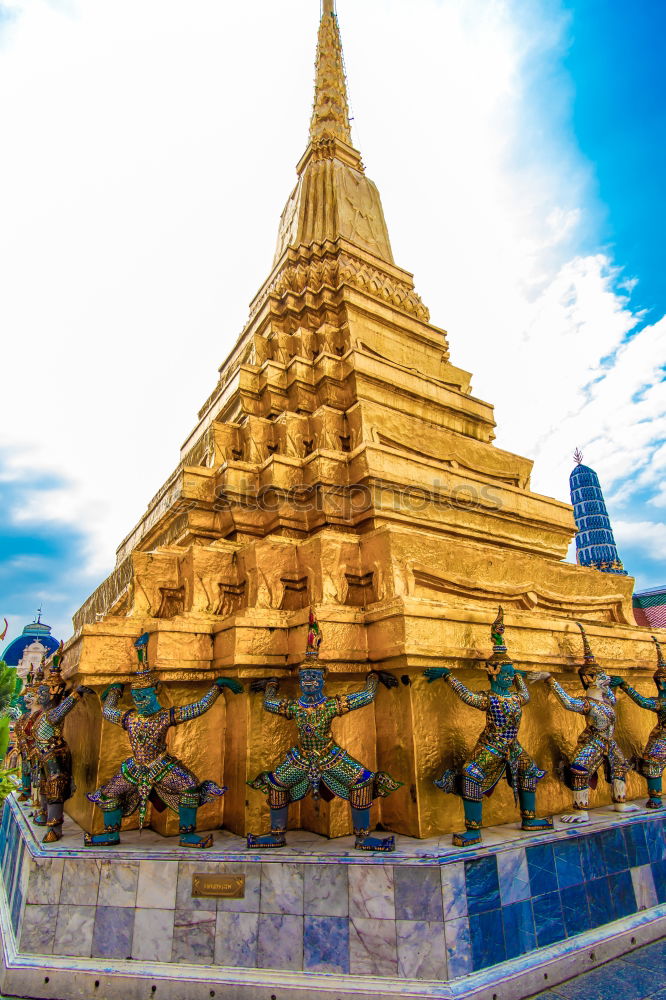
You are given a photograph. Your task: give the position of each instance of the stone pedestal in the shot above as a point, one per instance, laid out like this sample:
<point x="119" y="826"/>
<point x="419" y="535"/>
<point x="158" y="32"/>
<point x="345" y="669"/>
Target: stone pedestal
<point x="521" y="912"/>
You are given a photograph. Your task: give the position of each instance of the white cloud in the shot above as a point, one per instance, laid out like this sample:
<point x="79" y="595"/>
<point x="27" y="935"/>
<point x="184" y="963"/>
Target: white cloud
<point x="648" y="537"/>
<point x="148" y="154"/>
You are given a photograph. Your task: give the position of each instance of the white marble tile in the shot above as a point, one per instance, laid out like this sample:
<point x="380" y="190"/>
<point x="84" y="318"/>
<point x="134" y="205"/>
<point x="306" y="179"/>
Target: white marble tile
<point x="326" y="890"/>
<point x="421" y="949"/>
<point x="454" y="890"/>
<point x="74" y="931"/>
<point x="153" y="935"/>
<point x="44" y="881"/>
<point x="38" y="929"/>
<point x="514" y="878"/>
<point x="193" y="937"/>
<point x="280" y="942"/>
<point x="118" y="882"/>
<point x="80" y="882"/>
<point x="282" y="888"/>
<point x="644" y="888"/>
<point x="236" y="940"/>
<point x="372" y="947"/>
<point x="158" y="881"/>
<point x="371" y="892"/>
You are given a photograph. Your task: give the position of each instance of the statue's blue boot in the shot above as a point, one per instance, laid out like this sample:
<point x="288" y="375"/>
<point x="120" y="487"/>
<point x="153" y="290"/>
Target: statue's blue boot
<point x="654" y="791"/>
<point x="473" y="816"/>
<point x="276" y="838"/>
<point x="187" y="816"/>
<point x="528" y="813"/>
<point x="364" y="842"/>
<point x="111" y="834"/>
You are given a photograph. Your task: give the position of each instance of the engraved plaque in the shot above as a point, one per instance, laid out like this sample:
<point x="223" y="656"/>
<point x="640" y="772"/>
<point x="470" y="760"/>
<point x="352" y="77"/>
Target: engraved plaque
<point x="218" y="886"/>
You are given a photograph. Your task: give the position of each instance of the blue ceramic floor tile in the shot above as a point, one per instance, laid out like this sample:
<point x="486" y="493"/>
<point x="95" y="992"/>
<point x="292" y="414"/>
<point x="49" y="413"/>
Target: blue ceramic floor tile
<point x="652" y="956"/>
<point x="575" y="910"/>
<point x="519" y="933"/>
<point x="548" y="918"/>
<point x="482" y="885"/>
<point x="487" y="934"/>
<point x="594" y="864"/>
<point x="326" y="944"/>
<point x="656" y="841"/>
<point x="615" y="981"/>
<point x="615" y="850"/>
<point x="541" y="865"/>
<point x="636" y="844"/>
<point x="418" y="894"/>
<point x="659" y="876"/>
<point x="568" y="863"/>
<point x="622" y="895"/>
<point x="599" y="902"/>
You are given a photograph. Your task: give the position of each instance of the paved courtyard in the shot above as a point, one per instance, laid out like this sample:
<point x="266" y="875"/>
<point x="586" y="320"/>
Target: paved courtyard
<point x="639" y="976"/>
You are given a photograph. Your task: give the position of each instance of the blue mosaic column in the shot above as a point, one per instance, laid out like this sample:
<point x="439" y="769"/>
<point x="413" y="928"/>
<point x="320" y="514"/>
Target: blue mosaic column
<point x="595" y="543"/>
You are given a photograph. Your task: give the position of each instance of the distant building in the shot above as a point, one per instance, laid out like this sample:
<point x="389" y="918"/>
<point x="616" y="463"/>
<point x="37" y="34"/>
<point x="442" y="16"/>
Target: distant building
<point x="595" y="542"/>
<point x="650" y="608"/>
<point x="27" y="650"/>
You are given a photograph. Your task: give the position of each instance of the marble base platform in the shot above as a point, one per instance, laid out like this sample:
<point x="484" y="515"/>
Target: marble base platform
<point x="318" y="919"/>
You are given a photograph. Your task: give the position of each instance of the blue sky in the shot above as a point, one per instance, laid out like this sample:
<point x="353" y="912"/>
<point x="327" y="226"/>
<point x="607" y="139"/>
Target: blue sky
<point x="519" y="151"/>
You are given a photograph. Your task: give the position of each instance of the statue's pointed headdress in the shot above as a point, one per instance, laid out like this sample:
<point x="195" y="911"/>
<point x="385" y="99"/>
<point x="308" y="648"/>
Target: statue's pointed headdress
<point x="660" y="672"/>
<point x="500" y="655"/>
<point x="55" y="681"/>
<point x="312" y="644"/>
<point x="144" y="676"/>
<point x="590" y="665"/>
<point x="35" y="678"/>
<point x="314" y="637"/>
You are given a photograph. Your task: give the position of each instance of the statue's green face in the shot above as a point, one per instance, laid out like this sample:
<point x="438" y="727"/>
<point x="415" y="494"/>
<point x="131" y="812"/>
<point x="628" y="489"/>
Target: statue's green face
<point x="504" y="680"/>
<point x="43" y="695"/>
<point x="312" y="682"/>
<point x="661" y="685"/>
<point x="146" y="701"/>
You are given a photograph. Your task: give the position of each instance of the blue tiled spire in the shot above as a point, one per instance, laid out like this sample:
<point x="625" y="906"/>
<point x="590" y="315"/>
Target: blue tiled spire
<point x="595" y="543"/>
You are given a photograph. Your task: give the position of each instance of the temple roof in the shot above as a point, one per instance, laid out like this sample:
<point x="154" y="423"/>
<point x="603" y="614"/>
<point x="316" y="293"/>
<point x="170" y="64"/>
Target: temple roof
<point x="36" y="630"/>
<point x="595" y="542"/>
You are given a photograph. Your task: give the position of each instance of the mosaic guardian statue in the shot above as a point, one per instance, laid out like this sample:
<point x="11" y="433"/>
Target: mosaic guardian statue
<point x="653" y="759"/>
<point x="152" y="774"/>
<point x="21" y="712"/>
<point x="51" y="760"/>
<point x="497" y="753"/>
<point x="316" y="763"/>
<point x="596" y="744"/>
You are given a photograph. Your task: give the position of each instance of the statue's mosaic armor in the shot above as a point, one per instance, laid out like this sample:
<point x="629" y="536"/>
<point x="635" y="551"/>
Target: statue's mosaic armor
<point x="52" y="752"/>
<point x="497" y="751"/>
<point x="317" y="760"/>
<point x="152" y="771"/>
<point x="596" y="744"/>
<point x="653" y="760"/>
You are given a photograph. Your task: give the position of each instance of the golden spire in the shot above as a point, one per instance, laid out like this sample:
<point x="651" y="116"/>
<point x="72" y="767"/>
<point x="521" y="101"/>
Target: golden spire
<point x="330" y="115"/>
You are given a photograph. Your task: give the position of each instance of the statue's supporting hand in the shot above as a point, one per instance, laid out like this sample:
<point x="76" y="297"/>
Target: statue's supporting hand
<point x="532" y="676"/>
<point x="434" y="673"/>
<point x="112" y="687"/>
<point x="261" y="683"/>
<point x="388" y="680"/>
<point x="82" y="690"/>
<point x="229" y="682"/>
<point x="616" y="681"/>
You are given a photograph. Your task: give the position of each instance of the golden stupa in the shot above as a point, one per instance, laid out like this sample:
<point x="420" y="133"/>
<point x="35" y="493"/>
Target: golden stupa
<point x="342" y="462"/>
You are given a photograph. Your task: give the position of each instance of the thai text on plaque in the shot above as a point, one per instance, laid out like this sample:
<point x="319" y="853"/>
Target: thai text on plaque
<point x="218" y="886"/>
